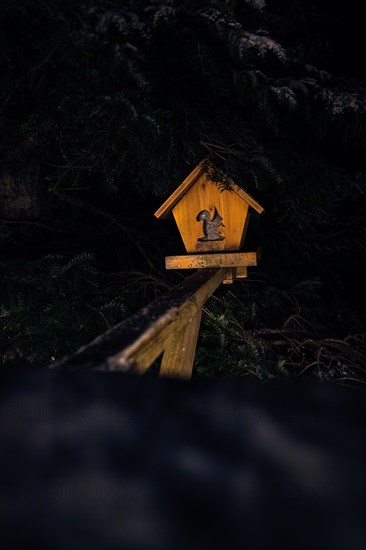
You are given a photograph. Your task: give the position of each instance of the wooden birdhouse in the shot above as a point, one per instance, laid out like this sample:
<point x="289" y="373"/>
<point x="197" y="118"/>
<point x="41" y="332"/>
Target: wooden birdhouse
<point x="212" y="222"/>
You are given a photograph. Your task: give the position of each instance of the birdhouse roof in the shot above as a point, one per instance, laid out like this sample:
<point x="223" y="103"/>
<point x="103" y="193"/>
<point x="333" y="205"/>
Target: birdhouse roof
<point x="166" y="208"/>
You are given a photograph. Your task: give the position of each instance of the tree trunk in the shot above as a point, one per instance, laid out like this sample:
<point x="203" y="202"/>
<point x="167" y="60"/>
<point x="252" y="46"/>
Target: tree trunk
<point x="20" y="197"/>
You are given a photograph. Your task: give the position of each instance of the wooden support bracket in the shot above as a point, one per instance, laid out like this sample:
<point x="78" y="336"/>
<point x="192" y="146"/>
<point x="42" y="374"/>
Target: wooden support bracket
<point x="235" y="273"/>
<point x="231" y="276"/>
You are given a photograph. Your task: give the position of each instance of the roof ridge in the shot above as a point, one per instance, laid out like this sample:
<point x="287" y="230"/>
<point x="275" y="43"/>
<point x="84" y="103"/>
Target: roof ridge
<point x="174" y="198"/>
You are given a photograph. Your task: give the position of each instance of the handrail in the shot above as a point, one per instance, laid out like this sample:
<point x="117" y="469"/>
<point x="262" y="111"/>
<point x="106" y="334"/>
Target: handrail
<point x="168" y="325"/>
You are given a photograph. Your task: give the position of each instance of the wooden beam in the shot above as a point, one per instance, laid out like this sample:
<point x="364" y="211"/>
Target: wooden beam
<point x="205" y="261"/>
<point x="168" y="324"/>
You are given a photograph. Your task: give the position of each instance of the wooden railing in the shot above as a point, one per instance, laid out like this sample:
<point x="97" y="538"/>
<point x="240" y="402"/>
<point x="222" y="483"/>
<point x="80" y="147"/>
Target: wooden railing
<point x="167" y="326"/>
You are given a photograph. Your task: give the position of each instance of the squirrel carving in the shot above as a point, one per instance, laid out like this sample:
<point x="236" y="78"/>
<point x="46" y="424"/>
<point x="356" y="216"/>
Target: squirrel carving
<point x="210" y="227"/>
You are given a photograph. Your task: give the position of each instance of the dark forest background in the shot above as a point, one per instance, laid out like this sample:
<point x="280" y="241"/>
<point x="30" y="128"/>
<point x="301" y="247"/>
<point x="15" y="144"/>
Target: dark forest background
<point x="106" y="106"/>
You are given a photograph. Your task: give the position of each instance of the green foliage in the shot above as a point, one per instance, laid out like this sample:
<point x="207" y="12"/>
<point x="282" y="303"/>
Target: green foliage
<point x="267" y="332"/>
<point x="51" y="306"/>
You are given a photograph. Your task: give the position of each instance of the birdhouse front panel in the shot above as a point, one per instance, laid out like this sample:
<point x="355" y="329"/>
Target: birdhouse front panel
<point x="210" y="220"/>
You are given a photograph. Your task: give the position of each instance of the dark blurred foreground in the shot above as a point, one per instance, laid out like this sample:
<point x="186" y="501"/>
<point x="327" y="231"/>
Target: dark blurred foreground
<point x="113" y="461"/>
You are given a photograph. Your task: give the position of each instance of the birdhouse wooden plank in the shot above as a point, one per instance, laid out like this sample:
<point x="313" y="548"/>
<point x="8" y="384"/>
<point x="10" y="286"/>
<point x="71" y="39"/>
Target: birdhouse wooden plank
<point x="222" y="215"/>
<point x="206" y="261"/>
<point x="209" y="219"/>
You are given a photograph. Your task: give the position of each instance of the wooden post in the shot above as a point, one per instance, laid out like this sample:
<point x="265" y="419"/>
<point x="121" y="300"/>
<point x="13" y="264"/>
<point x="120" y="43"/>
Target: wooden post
<point x="180" y="350"/>
<point x="170" y="324"/>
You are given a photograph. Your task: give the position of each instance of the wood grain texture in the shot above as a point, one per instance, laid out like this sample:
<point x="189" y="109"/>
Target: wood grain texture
<point x="169" y="323"/>
<point x="165" y="209"/>
<point x="205" y="195"/>
<point x="208" y="261"/>
<point x="245" y="229"/>
<point x="242" y="273"/>
<point x="230" y="277"/>
<point x="180" y="348"/>
<point x="246" y="197"/>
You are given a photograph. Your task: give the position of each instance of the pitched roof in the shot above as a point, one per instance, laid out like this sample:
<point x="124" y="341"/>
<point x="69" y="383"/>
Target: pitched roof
<point x="167" y="207"/>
